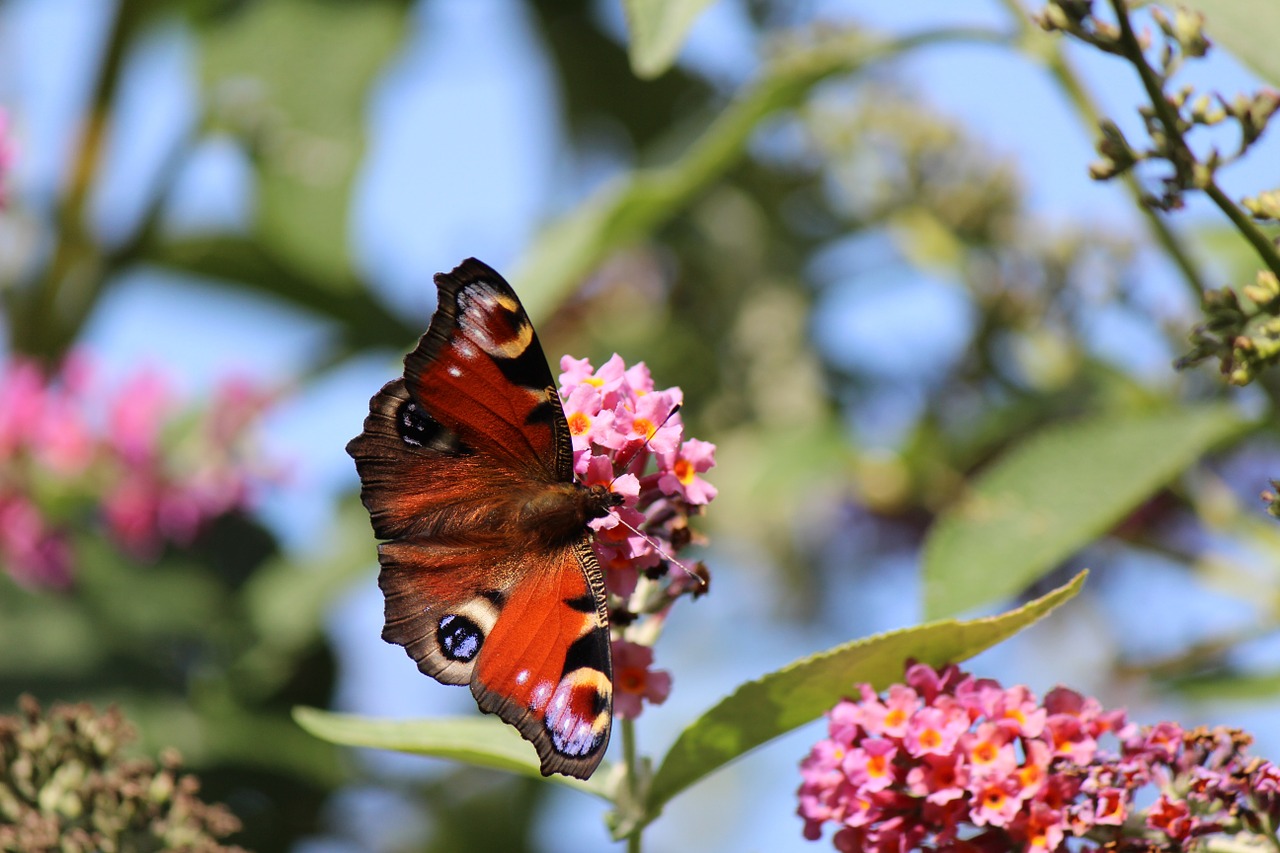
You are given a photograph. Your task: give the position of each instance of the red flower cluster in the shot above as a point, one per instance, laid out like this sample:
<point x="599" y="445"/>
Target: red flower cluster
<point x="949" y="762"/>
<point x="628" y="436"/>
<point x="70" y="453"/>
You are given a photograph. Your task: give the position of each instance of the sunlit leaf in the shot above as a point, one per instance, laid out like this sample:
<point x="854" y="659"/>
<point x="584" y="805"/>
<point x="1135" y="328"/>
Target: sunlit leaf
<point x="770" y="706"/>
<point x="1055" y="493"/>
<point x="291" y="77"/>
<point x="658" y="29"/>
<point x="638" y="203"/>
<point x="480" y="741"/>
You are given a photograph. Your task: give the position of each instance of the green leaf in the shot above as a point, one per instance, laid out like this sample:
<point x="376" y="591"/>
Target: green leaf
<point x="1246" y="28"/>
<point x="1222" y="687"/>
<point x="291" y="76"/>
<point x="481" y="741"/>
<point x="1055" y="493"/>
<point x="761" y="710"/>
<point x="634" y="206"/>
<point x="658" y="29"/>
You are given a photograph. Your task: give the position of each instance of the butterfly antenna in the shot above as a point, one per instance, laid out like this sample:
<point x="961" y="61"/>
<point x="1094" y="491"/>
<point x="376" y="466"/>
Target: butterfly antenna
<point x="662" y="551"/>
<point x="648" y="438"/>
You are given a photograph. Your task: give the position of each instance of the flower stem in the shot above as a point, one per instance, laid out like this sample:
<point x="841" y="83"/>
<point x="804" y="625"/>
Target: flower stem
<point x="1069" y="82"/>
<point x="1180" y="154"/>
<point x="633" y="776"/>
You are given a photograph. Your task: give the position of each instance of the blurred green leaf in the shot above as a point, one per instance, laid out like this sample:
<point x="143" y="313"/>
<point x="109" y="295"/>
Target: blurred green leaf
<point x="773" y="705"/>
<point x="658" y="29"/>
<point x="481" y="741"/>
<point x="1246" y="28"/>
<point x="636" y="204"/>
<point x="340" y="298"/>
<point x="1228" y="686"/>
<point x="292" y="77"/>
<point x="287" y="600"/>
<point x="1055" y="493"/>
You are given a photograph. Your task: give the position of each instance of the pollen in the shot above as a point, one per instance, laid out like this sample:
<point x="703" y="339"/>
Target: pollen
<point x="579" y="423"/>
<point x="684" y="471"/>
<point x="643" y="426"/>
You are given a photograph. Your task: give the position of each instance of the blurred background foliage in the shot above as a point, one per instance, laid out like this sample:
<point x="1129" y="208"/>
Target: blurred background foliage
<point x="866" y="295"/>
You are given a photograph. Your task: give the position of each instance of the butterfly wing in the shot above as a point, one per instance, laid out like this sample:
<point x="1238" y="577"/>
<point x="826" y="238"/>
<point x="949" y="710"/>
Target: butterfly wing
<point x="459" y="461"/>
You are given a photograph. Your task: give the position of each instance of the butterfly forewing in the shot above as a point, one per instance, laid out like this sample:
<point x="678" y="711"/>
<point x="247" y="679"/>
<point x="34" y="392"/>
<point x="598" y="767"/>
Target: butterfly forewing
<point x="466" y="468"/>
<point x="480" y="371"/>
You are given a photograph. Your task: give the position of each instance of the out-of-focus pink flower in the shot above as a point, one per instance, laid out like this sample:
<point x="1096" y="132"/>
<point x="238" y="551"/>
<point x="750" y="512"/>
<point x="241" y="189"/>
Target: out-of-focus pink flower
<point x="104" y="452"/>
<point x="136" y="415"/>
<point x="34" y="555"/>
<point x="634" y="682"/>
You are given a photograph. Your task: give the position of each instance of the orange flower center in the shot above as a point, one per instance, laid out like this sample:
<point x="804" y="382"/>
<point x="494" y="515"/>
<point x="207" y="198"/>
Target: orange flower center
<point x="579" y="423"/>
<point x="631" y="680"/>
<point x="985" y="752"/>
<point x="643" y="426"/>
<point x="993" y="798"/>
<point x="930" y="739"/>
<point x="894" y="718"/>
<point x="684" y="471"/>
<point x="877" y="766"/>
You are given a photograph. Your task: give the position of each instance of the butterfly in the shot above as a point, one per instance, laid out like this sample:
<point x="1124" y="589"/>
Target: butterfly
<point x="466" y="468"/>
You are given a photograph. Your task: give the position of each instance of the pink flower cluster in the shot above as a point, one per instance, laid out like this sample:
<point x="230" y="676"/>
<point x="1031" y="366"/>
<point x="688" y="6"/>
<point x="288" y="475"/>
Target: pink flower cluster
<point x="949" y="762"/>
<point x="70" y="454"/>
<point x="629" y="436"/>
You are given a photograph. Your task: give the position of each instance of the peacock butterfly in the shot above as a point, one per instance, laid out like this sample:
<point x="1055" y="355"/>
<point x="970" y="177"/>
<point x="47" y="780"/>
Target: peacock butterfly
<point x="466" y="468"/>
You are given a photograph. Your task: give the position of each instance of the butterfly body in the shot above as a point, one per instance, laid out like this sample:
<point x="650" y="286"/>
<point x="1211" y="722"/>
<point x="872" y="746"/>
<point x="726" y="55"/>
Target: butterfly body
<point x="487" y="567"/>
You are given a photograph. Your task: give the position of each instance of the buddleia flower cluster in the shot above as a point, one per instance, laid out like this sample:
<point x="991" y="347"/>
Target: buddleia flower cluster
<point x="948" y="762"/>
<point x="65" y="787"/>
<point x="77" y="454"/>
<point x="628" y="435"/>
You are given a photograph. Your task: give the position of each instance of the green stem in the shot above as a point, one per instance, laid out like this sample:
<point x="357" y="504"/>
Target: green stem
<point x="1180" y="154"/>
<point x="629" y="760"/>
<point x="1069" y="82"/>
<point x="1245" y="225"/>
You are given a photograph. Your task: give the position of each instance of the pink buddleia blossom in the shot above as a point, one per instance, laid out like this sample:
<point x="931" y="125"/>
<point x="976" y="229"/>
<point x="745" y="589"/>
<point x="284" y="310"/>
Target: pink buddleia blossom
<point x="1019" y="775"/>
<point x="123" y="456"/>
<point x="634" y="679"/>
<point x="627" y="435"/>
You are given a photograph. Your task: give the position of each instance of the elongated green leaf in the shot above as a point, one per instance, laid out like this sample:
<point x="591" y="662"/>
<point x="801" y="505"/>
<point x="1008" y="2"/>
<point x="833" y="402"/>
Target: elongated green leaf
<point x="292" y="76"/>
<point x="635" y="205"/>
<point x="482" y="741"/>
<point x="658" y="29"/>
<point x="1055" y="493"/>
<point x="1246" y="28"/>
<point x="761" y="710"/>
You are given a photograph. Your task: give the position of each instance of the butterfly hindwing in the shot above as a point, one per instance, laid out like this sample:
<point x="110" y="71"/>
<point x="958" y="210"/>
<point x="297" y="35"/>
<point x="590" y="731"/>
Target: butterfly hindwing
<point x="488" y="571"/>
